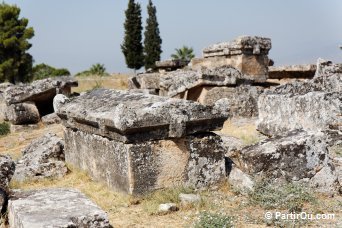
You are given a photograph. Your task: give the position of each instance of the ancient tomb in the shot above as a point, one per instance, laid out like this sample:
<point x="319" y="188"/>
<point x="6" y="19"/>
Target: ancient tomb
<point x="286" y="74"/>
<point x="248" y="54"/>
<point x="27" y="103"/>
<point x="139" y="142"/>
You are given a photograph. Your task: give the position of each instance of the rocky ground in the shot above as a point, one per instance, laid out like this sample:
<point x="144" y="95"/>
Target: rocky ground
<point x="241" y="208"/>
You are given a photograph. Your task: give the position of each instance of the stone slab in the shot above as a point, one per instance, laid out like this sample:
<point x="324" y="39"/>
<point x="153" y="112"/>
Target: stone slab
<point x="293" y="71"/>
<point x="179" y="81"/>
<point x="54" y="208"/>
<point x="38" y="90"/>
<point x="195" y="160"/>
<point x="128" y="117"/>
<point x="253" y="45"/>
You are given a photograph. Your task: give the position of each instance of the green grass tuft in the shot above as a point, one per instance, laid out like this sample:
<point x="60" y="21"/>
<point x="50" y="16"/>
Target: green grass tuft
<point x="287" y="196"/>
<point x="4" y="128"/>
<point x="212" y="220"/>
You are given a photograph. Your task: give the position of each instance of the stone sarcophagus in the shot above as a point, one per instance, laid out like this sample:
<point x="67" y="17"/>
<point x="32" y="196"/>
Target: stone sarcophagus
<point x="138" y="142"/>
<point x="249" y="54"/>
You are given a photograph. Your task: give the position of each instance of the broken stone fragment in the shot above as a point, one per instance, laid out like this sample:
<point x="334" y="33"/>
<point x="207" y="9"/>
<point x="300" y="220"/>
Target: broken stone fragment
<point x="54" y="208"/>
<point x="7" y="167"/>
<point x="310" y="105"/>
<point x="51" y="119"/>
<point x="299" y="157"/>
<point x="43" y="158"/>
<point x="59" y="100"/>
<point x="22" y="113"/>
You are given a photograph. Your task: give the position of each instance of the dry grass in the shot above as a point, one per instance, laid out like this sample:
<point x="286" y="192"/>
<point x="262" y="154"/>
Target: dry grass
<point x="14" y="143"/>
<point x="243" y="129"/>
<point x="116" y="81"/>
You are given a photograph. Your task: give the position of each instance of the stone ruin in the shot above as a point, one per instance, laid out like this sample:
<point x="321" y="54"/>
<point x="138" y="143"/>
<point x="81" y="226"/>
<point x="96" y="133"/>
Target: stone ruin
<point x="248" y="54"/>
<point x="303" y="120"/>
<point x="138" y="142"/>
<point x="27" y="103"/>
<point x="236" y="70"/>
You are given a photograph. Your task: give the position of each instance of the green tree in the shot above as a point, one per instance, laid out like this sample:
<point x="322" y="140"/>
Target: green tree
<point x="184" y="54"/>
<point x="132" y="47"/>
<point x="43" y="70"/>
<point x="153" y="41"/>
<point x="95" y="69"/>
<point x="15" y="62"/>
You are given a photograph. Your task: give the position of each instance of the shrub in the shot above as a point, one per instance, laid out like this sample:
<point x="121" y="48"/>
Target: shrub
<point x="4" y="128"/>
<point x="211" y="220"/>
<point x="280" y="196"/>
<point x="43" y="70"/>
<point x="95" y="69"/>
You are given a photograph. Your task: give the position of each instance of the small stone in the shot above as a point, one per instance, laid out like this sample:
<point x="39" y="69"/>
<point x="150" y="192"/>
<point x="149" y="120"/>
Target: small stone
<point x="189" y="198"/>
<point x="167" y="207"/>
<point x="51" y="119"/>
<point x="58" y="101"/>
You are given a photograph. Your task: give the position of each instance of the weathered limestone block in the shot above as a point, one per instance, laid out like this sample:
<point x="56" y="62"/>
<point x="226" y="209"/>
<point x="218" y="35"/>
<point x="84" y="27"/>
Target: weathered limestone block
<point x="248" y="54"/>
<point x="43" y="158"/>
<point x="180" y="81"/>
<point x="298" y="157"/>
<point x="137" y="168"/>
<point x="130" y="117"/>
<point x="242" y="45"/>
<point x="51" y="119"/>
<point x="38" y="90"/>
<point x="310" y="105"/>
<point x="138" y="142"/>
<point x="22" y="113"/>
<point x="243" y="99"/>
<point x="144" y="81"/>
<point x="306" y="71"/>
<point x="39" y="93"/>
<point x="171" y="64"/>
<point x="54" y="208"/>
<point x="3" y="105"/>
<point x="7" y="167"/>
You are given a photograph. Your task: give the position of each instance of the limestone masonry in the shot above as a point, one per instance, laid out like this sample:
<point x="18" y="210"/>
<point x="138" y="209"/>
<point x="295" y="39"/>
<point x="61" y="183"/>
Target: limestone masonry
<point x="138" y="142"/>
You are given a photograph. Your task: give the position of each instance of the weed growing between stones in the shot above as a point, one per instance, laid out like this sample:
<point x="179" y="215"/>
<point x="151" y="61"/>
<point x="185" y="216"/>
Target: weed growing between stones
<point x="289" y="196"/>
<point x="4" y="128"/>
<point x="207" y="219"/>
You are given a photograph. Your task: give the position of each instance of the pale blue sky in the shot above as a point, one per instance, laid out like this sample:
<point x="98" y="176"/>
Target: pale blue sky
<point x="78" y="33"/>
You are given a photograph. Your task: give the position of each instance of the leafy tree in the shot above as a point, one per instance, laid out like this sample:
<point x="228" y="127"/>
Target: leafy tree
<point x="95" y="69"/>
<point x="152" y="42"/>
<point x="15" y="62"/>
<point x="43" y="70"/>
<point x="184" y="54"/>
<point x="132" y="47"/>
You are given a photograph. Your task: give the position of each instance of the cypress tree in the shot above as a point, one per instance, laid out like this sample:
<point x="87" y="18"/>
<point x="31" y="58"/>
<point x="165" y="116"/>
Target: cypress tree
<point x="15" y="62"/>
<point x="132" y="47"/>
<point x="152" y="42"/>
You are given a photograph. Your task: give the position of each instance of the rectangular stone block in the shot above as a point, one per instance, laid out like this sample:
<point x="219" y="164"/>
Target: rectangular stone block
<point x="139" y="142"/>
<point x="54" y="208"/>
<point x="195" y="160"/>
<point x="133" y="117"/>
